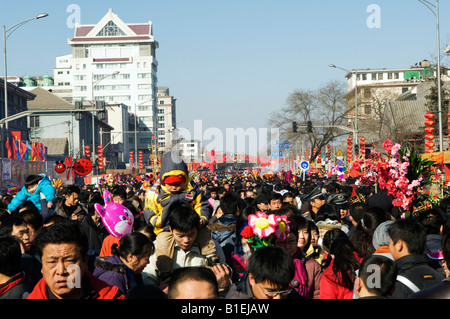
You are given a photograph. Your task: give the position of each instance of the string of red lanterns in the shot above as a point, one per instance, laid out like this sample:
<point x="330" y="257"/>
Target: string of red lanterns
<point x="429" y="130"/>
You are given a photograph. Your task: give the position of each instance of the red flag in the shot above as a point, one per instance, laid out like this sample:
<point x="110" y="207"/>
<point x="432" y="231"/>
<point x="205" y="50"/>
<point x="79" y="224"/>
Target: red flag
<point x="22" y="148"/>
<point x="8" y="147"/>
<point x="14" y="155"/>
<point x="17" y="135"/>
<point x="37" y="152"/>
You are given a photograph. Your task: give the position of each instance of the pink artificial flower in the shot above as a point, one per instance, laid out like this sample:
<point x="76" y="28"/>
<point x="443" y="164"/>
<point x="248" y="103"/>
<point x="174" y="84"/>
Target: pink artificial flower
<point x="261" y="224"/>
<point x="282" y="228"/>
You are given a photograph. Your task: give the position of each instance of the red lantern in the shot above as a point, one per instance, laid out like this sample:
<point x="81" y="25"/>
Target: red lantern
<point x="429" y="115"/>
<point x="100" y="157"/>
<point x="430" y="144"/>
<point x="429" y="122"/>
<point x="429" y="129"/>
<point x="429" y="150"/>
<point x="141" y="164"/>
<point x="87" y="151"/>
<point x="429" y="137"/>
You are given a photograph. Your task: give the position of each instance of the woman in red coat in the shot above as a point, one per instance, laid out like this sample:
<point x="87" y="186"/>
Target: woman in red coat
<point x="338" y="277"/>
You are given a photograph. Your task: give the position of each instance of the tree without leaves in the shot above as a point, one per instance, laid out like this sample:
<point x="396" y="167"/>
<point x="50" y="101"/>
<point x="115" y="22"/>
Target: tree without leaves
<point x="325" y="107"/>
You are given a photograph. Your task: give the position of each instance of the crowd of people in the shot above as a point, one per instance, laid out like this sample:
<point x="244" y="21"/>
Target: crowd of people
<point x="234" y="235"/>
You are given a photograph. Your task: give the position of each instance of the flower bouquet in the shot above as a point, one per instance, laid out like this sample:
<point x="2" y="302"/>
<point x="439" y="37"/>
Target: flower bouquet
<point x="261" y="229"/>
<point x="403" y="173"/>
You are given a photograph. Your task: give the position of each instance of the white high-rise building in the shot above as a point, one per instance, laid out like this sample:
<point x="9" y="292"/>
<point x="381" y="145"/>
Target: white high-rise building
<point x="115" y="62"/>
<point x="166" y="119"/>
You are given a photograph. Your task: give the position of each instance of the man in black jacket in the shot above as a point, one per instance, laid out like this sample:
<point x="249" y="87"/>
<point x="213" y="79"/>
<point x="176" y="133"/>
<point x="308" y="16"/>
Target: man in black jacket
<point x="407" y="239"/>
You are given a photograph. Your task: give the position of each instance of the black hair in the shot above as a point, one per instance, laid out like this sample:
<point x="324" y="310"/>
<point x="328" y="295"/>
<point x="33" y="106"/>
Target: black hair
<point x="432" y="220"/>
<point x="345" y="262"/>
<point x="275" y="196"/>
<point x="33" y="218"/>
<point x="329" y="211"/>
<point x="180" y="275"/>
<point x="10" y="255"/>
<point x="272" y="264"/>
<point x="54" y="219"/>
<point x="229" y="203"/>
<point x="362" y="234"/>
<point x="356" y="210"/>
<point x="96" y="198"/>
<point x="411" y="232"/>
<point x="135" y="243"/>
<point x="386" y="270"/>
<point x="32" y="180"/>
<point x="66" y="231"/>
<point x="69" y="190"/>
<point x="8" y="224"/>
<point x="121" y="192"/>
<point x="183" y="218"/>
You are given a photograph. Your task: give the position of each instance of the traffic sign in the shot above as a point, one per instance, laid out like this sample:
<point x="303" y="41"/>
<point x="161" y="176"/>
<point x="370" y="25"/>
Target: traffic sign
<point x="304" y="165"/>
<point x="277" y="153"/>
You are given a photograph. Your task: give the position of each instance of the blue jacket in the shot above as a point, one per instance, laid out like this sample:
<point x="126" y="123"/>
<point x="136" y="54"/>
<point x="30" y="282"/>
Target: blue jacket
<point x="44" y="186"/>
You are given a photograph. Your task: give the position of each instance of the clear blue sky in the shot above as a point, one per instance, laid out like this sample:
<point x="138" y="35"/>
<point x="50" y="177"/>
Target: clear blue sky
<point x="231" y="63"/>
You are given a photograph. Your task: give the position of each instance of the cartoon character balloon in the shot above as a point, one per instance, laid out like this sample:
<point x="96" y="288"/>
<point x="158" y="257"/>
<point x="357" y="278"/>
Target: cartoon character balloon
<point x="117" y="219"/>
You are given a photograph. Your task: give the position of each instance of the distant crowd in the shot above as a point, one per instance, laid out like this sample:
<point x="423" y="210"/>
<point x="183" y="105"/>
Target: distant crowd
<point x="233" y="235"/>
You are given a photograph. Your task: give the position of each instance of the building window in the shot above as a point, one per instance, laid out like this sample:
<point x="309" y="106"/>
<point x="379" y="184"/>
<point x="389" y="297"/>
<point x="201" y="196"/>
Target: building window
<point x="144" y="86"/>
<point x="161" y="102"/>
<point x="396" y="76"/>
<point x="161" y="125"/>
<point x="160" y="111"/>
<point x="380" y="76"/>
<point x="389" y="76"/>
<point x="79" y="77"/>
<point x="34" y="121"/>
<point x="160" y="118"/>
<point x="82" y="88"/>
<point x="364" y="76"/>
<point x="367" y="109"/>
<point x="111" y="30"/>
<point x="374" y="76"/>
<point x="144" y="76"/>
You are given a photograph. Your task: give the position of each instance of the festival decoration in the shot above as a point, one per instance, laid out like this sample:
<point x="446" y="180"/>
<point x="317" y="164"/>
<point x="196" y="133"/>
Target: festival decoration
<point x="117" y="219"/>
<point x="82" y="166"/>
<point x="349" y="149"/>
<point x="402" y="172"/>
<point x="87" y="151"/>
<point x="362" y="147"/>
<point x="141" y="163"/>
<point x="100" y="158"/>
<point x="60" y="167"/>
<point x="57" y="183"/>
<point x="429" y="129"/>
<point x="261" y="229"/>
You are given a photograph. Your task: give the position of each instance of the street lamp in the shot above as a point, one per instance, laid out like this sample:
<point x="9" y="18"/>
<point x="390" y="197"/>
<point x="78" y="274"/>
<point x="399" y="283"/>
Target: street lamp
<point x="430" y="6"/>
<point x="355" y="134"/>
<point x="6" y="34"/>
<point x="93" y="113"/>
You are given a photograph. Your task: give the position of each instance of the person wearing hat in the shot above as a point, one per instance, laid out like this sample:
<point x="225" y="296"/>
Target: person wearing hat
<point x="173" y="187"/>
<point x="442" y="289"/>
<point x="315" y="200"/>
